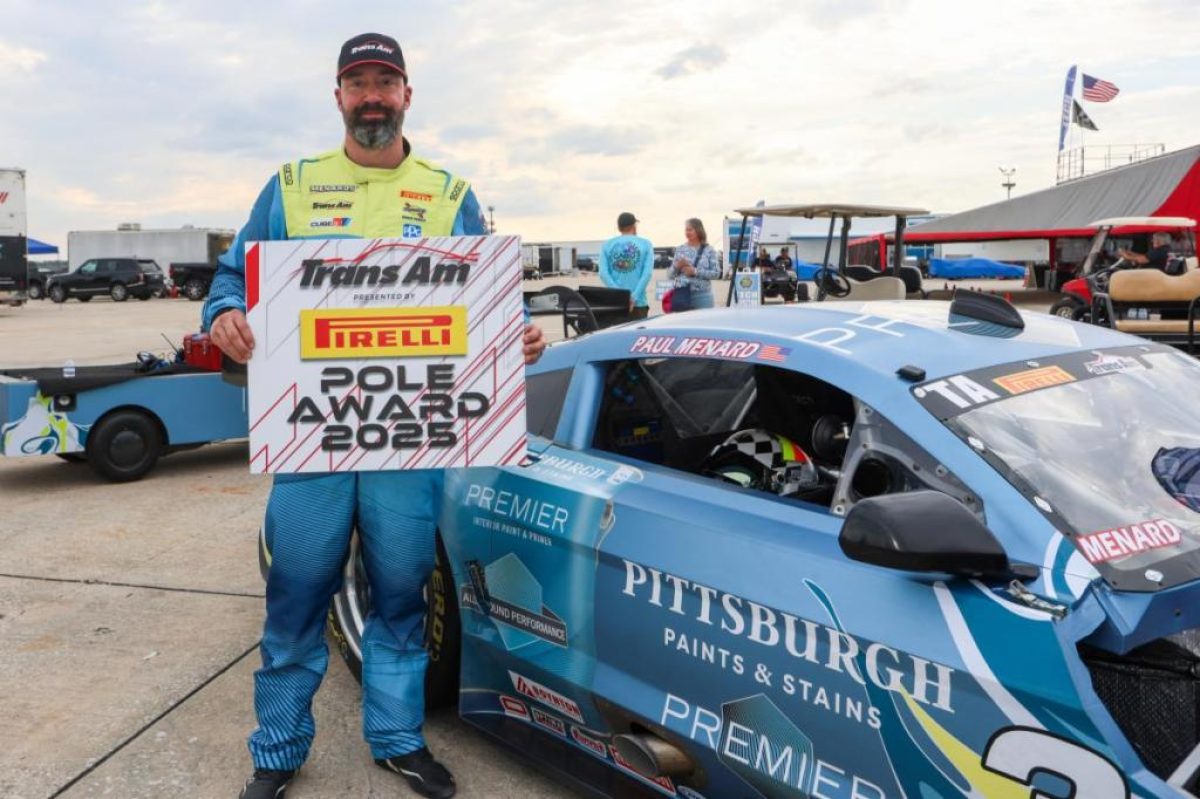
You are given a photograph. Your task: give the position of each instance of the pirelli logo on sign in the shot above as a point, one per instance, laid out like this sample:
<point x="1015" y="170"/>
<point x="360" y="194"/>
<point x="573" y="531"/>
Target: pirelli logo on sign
<point x="383" y="332"/>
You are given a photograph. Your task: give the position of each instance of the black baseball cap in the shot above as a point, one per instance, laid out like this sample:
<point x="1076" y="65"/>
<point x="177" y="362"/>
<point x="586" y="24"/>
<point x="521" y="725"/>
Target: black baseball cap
<point x="371" y="48"/>
<point x="626" y="219"/>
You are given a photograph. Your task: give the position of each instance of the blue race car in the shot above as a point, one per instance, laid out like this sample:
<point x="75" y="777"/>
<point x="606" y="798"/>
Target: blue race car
<point x="845" y="551"/>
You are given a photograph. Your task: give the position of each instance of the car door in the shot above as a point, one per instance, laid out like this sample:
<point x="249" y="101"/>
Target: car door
<point x="729" y="623"/>
<point x="83" y="281"/>
<point x="523" y="544"/>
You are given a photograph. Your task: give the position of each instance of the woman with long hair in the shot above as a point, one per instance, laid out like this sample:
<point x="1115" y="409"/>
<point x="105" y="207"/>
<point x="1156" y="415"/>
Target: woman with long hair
<point x="693" y="267"/>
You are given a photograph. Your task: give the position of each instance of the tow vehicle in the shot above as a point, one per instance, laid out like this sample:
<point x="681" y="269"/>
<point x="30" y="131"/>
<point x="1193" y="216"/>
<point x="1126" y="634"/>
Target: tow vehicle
<point x="856" y="549"/>
<point x="121" y="418"/>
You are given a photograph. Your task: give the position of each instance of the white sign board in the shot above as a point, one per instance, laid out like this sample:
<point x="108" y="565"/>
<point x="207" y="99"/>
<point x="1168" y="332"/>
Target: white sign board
<point x="375" y="354"/>
<point x="747" y="289"/>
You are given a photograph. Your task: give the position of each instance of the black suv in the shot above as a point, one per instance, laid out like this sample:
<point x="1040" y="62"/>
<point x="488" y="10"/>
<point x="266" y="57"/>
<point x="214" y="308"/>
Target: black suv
<point x="120" y="278"/>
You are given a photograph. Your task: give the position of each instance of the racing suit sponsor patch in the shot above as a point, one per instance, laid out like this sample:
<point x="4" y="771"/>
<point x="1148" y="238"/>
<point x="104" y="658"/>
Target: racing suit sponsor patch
<point x="410" y="231"/>
<point x="330" y="221"/>
<point x="416" y="195"/>
<point x="288" y="179"/>
<point x="340" y="205"/>
<point x="1122" y="542"/>
<point x="330" y="188"/>
<point x="459" y="185"/>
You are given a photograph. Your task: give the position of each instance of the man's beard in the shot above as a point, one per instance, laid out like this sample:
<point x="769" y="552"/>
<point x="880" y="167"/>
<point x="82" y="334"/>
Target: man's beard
<point x="375" y="134"/>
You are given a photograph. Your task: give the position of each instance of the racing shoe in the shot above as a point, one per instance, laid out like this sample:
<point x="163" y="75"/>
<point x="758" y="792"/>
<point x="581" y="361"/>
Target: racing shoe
<point x="267" y="784"/>
<point x="425" y="775"/>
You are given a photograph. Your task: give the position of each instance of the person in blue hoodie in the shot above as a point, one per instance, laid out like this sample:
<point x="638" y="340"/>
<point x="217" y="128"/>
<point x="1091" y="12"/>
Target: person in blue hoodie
<point x="627" y="262"/>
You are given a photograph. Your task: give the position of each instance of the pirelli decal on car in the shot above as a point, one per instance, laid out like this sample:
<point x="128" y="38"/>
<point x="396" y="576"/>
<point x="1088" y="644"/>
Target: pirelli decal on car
<point x="947" y="397"/>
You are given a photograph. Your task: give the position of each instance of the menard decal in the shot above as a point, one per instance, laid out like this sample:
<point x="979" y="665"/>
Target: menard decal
<point x="383" y="333"/>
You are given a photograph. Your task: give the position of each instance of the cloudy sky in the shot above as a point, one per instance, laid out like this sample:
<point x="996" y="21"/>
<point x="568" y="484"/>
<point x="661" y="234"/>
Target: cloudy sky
<point x="564" y="113"/>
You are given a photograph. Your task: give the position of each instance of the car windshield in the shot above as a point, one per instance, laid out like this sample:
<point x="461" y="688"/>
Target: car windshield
<point x="1105" y="443"/>
<point x="149" y="267"/>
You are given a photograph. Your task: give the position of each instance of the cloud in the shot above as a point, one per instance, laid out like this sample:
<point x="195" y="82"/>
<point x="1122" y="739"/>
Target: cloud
<point x="695" y="59"/>
<point x="20" y="60"/>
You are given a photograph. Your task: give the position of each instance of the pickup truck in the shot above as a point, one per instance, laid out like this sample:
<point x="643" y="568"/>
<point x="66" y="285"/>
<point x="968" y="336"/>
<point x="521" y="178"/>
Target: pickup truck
<point x="193" y="279"/>
<point x="121" y="418"/>
<point x="39" y="276"/>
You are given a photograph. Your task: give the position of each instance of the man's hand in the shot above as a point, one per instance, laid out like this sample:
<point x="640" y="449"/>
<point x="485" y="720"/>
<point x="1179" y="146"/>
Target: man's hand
<point x="533" y="343"/>
<point x="231" y="333"/>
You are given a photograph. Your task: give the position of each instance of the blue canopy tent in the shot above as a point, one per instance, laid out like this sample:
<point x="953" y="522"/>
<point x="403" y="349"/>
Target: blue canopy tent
<point x="35" y="247"/>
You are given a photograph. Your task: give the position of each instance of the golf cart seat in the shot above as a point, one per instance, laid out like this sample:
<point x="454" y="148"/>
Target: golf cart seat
<point x="884" y="287"/>
<point x="1151" y="289"/>
<point x="911" y="276"/>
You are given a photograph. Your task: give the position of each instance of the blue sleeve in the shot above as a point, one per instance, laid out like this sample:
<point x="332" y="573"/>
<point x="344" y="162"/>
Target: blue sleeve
<point x="606" y="275"/>
<point x="647" y="270"/>
<point x="266" y="223"/>
<point x="469" y="221"/>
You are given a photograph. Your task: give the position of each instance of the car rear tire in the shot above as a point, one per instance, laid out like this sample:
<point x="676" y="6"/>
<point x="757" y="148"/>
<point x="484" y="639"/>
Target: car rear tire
<point x="118" y="292"/>
<point x="35" y="291"/>
<point x="124" y="445"/>
<point x="195" y="289"/>
<point x="58" y="294"/>
<point x="348" y="614"/>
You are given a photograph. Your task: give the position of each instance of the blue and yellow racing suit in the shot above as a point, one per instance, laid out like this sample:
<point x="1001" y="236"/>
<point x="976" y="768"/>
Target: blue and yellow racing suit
<point x="310" y="516"/>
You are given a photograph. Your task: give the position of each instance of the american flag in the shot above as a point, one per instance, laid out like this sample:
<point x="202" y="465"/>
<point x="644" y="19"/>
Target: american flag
<point x="771" y="352"/>
<point x="1098" y="91"/>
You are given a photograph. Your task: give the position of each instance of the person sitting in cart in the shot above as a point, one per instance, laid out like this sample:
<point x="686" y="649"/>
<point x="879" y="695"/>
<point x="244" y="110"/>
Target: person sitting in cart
<point x="783" y="260"/>
<point x="1158" y="256"/>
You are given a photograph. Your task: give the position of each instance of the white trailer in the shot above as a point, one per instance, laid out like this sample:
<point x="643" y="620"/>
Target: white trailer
<point x="166" y="246"/>
<point x="13" y="245"/>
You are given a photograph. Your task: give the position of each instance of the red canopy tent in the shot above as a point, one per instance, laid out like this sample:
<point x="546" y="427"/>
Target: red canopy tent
<point x="1168" y="185"/>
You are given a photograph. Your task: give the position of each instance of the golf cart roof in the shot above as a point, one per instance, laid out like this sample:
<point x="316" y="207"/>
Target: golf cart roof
<point x="826" y="210"/>
<point x="1160" y="222"/>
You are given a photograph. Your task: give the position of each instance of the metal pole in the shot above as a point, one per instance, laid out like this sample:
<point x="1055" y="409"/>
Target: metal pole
<point x="733" y="277"/>
<point x="825" y="262"/>
<point x="898" y="246"/>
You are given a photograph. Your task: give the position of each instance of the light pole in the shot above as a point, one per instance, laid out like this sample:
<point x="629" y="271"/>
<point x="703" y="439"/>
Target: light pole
<point x="1008" y="181"/>
<point x="491" y="219"/>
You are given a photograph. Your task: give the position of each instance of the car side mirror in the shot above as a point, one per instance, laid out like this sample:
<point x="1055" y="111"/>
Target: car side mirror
<point x="924" y="531"/>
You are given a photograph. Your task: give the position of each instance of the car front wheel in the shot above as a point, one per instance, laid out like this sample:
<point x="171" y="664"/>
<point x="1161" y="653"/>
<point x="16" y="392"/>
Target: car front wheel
<point x="118" y="292"/>
<point x="58" y="294"/>
<point x="348" y="614"/>
<point x="36" y="292"/>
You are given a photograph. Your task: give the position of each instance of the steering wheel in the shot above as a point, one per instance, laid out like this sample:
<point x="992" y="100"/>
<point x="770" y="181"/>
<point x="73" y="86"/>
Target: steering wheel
<point x="832" y="283"/>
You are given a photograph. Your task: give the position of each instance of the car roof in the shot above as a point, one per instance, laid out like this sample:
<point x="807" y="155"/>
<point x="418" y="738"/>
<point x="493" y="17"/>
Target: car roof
<point x="826" y="210"/>
<point x="1164" y="222"/>
<point x="868" y="337"/>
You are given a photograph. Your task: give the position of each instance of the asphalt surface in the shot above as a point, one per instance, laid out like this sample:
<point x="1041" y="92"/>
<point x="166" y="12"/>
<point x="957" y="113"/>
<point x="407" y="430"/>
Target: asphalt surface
<point x="130" y="614"/>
